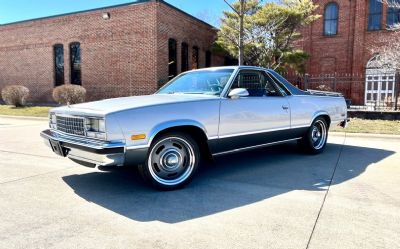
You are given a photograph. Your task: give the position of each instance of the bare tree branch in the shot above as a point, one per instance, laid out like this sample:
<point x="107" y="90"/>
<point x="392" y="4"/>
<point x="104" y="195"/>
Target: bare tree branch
<point x="234" y="10"/>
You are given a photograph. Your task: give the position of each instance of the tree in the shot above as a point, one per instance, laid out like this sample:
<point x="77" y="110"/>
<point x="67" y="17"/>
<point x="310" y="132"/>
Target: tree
<point x="269" y="32"/>
<point x="234" y="30"/>
<point x="387" y="51"/>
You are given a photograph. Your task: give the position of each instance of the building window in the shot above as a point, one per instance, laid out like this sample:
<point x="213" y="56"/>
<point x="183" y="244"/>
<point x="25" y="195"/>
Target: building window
<point x="185" y="57"/>
<point x="208" y="59"/>
<point x="331" y="15"/>
<point x="172" y="71"/>
<point x="393" y="14"/>
<point x="195" y="57"/>
<point x="58" y="64"/>
<point x="375" y="15"/>
<point x="75" y="59"/>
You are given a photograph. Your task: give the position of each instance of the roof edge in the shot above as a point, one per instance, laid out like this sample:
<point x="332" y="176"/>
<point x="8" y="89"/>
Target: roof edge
<point x="105" y="8"/>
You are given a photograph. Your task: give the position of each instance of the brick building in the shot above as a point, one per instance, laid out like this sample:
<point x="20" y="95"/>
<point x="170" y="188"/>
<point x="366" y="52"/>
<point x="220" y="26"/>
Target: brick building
<point x="122" y="50"/>
<point x="340" y="41"/>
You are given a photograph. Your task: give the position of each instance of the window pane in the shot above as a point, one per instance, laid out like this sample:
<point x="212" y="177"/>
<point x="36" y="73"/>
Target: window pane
<point x="331" y="11"/>
<point x="393" y="16"/>
<point x="75" y="57"/>
<point x="59" y="64"/>
<point x="172" y="71"/>
<point x="331" y="19"/>
<point x="375" y="15"/>
<point x="330" y="27"/>
<point x="256" y="83"/>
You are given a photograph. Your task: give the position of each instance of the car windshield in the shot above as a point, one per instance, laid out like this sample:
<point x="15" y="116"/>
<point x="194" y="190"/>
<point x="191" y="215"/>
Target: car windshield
<point x="210" y="82"/>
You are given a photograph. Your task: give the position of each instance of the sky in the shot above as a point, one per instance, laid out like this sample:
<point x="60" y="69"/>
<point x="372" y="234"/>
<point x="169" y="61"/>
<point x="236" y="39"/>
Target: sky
<point x="19" y="10"/>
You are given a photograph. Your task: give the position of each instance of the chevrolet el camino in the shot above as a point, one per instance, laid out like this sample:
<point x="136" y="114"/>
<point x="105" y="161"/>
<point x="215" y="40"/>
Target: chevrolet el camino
<point x="198" y="114"/>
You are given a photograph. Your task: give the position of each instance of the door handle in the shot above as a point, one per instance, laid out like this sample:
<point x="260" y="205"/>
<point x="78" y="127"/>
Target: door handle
<point x="285" y="107"/>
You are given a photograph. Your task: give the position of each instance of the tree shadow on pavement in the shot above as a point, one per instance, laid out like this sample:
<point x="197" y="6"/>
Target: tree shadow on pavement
<point x="232" y="181"/>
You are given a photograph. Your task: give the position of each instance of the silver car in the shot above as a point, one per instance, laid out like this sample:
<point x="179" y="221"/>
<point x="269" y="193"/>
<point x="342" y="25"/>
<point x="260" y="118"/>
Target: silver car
<point x="198" y="114"/>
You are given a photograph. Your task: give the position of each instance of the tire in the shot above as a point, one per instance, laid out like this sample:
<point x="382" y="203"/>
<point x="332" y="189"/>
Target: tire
<point x="172" y="161"/>
<point x="314" y="141"/>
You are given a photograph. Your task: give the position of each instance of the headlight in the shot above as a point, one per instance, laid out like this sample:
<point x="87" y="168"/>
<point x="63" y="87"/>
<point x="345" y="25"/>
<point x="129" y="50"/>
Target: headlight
<point x="95" y="128"/>
<point x="52" y="121"/>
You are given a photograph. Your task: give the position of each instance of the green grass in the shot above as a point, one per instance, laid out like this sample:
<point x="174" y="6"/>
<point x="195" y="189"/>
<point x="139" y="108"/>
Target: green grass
<point x="371" y="126"/>
<point x="32" y="111"/>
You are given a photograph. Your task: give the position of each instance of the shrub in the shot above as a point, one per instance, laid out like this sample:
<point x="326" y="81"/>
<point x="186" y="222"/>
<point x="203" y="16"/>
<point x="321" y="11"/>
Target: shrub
<point x="15" y="95"/>
<point x="69" y="94"/>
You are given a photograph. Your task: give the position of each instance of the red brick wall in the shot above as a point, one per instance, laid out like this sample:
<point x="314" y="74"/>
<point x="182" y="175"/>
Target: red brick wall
<point x="348" y="51"/>
<point x="124" y="55"/>
<point x="176" y="25"/>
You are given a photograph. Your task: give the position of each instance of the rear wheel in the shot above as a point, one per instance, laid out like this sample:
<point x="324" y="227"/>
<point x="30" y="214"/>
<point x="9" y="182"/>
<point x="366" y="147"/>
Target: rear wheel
<point x="314" y="141"/>
<point x="172" y="161"/>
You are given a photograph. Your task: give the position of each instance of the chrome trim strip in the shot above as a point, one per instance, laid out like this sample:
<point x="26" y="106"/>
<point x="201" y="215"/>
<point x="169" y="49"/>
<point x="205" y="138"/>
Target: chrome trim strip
<point x="262" y="131"/>
<point x="83" y="142"/>
<point x="135" y="147"/>
<point x="300" y="126"/>
<point x="254" y="147"/>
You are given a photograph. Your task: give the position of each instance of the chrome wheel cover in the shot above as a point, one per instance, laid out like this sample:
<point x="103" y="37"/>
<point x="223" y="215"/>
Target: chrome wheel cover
<point x="318" y="134"/>
<point x="171" y="161"/>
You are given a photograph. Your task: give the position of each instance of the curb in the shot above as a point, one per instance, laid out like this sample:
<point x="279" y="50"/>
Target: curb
<point x="25" y="117"/>
<point x="365" y="135"/>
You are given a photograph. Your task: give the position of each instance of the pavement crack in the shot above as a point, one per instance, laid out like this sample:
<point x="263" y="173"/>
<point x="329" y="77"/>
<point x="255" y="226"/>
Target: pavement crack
<point x="25" y="154"/>
<point x="326" y="193"/>
<point x="32" y="176"/>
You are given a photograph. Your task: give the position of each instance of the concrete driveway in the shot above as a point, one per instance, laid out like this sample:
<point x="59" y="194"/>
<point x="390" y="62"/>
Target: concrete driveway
<point x="269" y="198"/>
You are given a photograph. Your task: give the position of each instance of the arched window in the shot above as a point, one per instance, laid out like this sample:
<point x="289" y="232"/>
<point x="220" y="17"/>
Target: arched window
<point x="208" y="58"/>
<point x="393" y="13"/>
<point x="331" y="16"/>
<point x="195" y="57"/>
<point x="380" y="82"/>
<point x="185" y="57"/>
<point x="374" y="15"/>
<point x="75" y="63"/>
<point x="172" y="70"/>
<point x="58" y="64"/>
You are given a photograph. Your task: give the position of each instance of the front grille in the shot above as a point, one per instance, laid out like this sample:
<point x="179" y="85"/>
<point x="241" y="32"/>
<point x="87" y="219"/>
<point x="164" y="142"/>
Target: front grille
<point x="71" y="125"/>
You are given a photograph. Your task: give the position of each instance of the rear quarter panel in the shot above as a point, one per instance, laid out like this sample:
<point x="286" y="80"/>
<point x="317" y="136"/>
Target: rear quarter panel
<point x="304" y="109"/>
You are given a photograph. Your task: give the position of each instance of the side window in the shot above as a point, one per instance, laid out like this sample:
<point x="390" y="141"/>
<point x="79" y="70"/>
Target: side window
<point x="257" y="83"/>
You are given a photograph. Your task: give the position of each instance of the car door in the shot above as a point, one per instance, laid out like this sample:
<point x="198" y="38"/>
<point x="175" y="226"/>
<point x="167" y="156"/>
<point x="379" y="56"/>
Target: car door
<point x="260" y="118"/>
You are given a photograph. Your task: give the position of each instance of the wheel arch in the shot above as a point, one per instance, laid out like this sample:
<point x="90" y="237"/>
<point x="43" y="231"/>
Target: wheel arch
<point x="192" y="128"/>
<point x="324" y="115"/>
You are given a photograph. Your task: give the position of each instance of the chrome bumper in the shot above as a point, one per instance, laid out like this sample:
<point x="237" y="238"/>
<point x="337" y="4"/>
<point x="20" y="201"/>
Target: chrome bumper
<point x="88" y="151"/>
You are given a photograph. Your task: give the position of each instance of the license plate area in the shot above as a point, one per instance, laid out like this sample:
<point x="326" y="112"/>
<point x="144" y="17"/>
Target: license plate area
<point x="57" y="148"/>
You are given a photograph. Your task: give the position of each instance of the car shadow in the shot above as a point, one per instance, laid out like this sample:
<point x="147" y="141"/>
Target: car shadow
<point x="232" y="181"/>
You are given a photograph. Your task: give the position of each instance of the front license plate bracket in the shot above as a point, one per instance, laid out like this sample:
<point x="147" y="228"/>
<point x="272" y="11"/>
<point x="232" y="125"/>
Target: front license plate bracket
<point x="57" y="148"/>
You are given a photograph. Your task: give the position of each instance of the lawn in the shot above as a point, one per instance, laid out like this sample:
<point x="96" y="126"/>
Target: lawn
<point x="371" y="126"/>
<point x="34" y="111"/>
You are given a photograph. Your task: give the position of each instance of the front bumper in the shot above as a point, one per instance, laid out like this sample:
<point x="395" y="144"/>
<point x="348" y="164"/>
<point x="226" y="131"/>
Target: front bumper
<point x="89" y="151"/>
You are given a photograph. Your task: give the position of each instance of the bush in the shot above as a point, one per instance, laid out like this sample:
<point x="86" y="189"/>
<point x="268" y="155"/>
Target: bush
<point x="15" y="95"/>
<point x="69" y="94"/>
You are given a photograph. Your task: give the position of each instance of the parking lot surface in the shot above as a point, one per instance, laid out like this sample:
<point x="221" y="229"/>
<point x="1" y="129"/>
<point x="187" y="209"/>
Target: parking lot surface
<point x="276" y="197"/>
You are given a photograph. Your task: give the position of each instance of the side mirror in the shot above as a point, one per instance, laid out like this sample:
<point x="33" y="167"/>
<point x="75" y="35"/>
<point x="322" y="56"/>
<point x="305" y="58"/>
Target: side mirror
<point x="238" y="92"/>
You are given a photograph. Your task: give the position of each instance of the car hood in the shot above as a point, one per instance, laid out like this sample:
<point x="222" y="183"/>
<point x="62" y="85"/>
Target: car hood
<point x="108" y="106"/>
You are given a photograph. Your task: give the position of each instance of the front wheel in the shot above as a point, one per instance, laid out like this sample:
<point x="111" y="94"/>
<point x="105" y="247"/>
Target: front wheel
<point x="315" y="139"/>
<point x="172" y="161"/>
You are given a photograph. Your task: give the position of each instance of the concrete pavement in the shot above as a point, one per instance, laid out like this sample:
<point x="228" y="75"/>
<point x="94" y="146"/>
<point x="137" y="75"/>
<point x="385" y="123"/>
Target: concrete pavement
<point x="269" y="198"/>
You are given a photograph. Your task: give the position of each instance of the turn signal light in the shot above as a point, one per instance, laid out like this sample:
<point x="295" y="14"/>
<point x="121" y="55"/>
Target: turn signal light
<point x="138" y="136"/>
